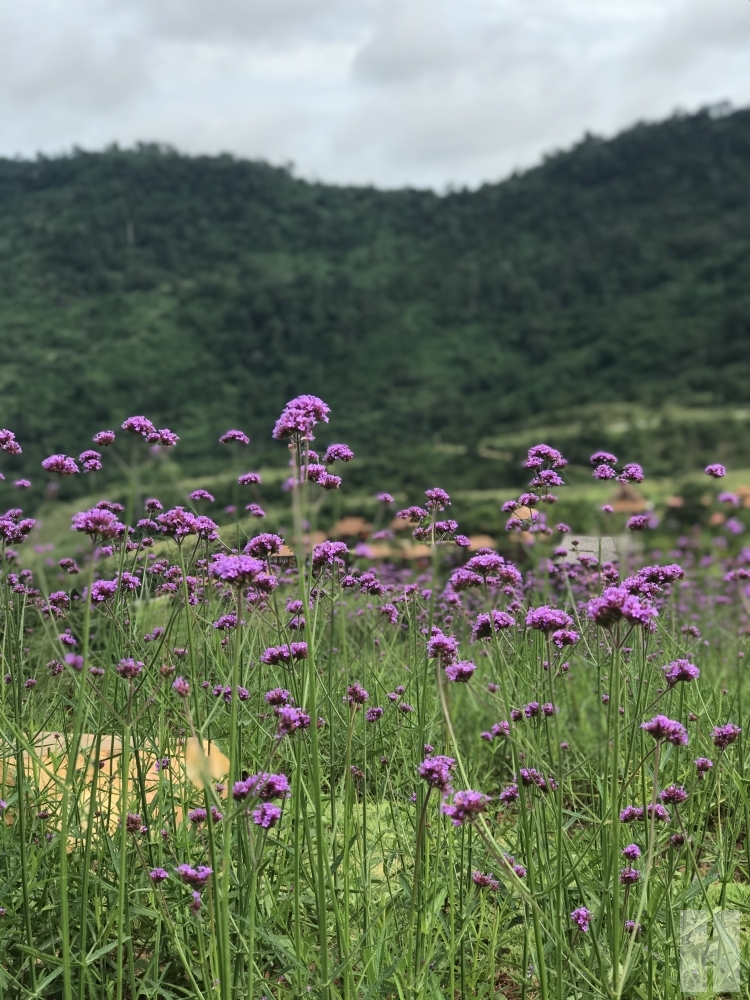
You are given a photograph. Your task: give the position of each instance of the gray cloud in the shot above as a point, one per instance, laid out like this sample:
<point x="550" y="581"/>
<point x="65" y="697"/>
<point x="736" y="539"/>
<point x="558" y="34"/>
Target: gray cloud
<point x="386" y="91"/>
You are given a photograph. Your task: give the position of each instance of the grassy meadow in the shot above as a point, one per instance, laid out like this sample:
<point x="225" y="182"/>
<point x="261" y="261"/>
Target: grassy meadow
<point x="245" y="753"/>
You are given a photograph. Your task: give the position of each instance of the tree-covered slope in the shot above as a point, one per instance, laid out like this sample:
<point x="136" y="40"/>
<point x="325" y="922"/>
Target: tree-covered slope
<point x="206" y="291"/>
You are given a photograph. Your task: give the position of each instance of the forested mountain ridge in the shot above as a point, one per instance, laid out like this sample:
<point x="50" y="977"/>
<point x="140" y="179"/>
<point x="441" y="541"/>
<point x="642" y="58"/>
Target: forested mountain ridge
<point x="205" y="291"/>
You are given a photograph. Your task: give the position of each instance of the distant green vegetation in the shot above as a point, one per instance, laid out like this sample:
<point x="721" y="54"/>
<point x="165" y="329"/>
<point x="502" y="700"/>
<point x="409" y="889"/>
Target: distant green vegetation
<point x="602" y="299"/>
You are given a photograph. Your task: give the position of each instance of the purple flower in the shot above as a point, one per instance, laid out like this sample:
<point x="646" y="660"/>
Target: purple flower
<point x="195" y="904"/>
<point x="153" y="505"/>
<point x="547" y="477"/>
<point x="60" y="464"/>
<point x="338" y="453"/>
<point x="482" y="880"/>
<point x="542" y="454"/>
<point x="405" y="708"/>
<point x="631" y="473"/>
<point x="481" y="629"/>
<point x="194" y="876"/>
<point x="565" y="637"/>
<point x="8" y="442"/>
<point x="604" y="472"/>
<point x="716" y="470"/>
<point x="509" y="794"/>
<point x="384" y="497"/>
<point x="662" y="728"/>
<point x="630" y="814"/>
<point x="278" y="697"/>
<point x="255" y="510"/>
<point x="356" y="695"/>
<point x="464" y="578"/>
<point x="680" y="670"/>
<point x="637" y="522"/>
<point x="603" y="457"/>
<point x="460" y="671"/>
<point x="236" y="570"/>
<point x="284" y="654"/>
<point x="104" y="438"/>
<point x="266" y="787"/>
<point x="723" y="736"/>
<point x="581" y="917"/>
<point x="328" y="554"/>
<point x="547" y="619"/>
<point x="373" y="714"/>
<point x="703" y="765"/>
<point x="617" y="603"/>
<point x="69" y="565"/>
<point x="391" y="612"/>
<point x="266" y="815"/>
<point x="129" y="668"/>
<point x="608" y="509"/>
<point x="158" y="875"/>
<point x="264" y="545"/>
<point x="674" y="794"/>
<point x="133" y="822"/>
<point x="629" y="875"/>
<point x="249" y="479"/>
<point x="290" y="720"/>
<point x="138" y="425"/>
<point x="234" y="435"/>
<point x="466" y="805"/>
<point x="632" y="852"/>
<point x="201" y="495"/>
<point x="181" y="687"/>
<point x="444" y="646"/>
<point x="197" y="815"/>
<point x="413" y="514"/>
<point x="22" y="484"/>
<point x="299" y="417"/>
<point x="437" y="499"/>
<point x="436" y="771"/>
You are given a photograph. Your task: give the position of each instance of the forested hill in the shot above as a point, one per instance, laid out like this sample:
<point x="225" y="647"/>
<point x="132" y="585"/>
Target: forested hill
<point x="204" y="292"/>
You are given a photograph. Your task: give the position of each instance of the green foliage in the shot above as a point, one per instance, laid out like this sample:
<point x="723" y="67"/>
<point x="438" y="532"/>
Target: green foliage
<point x="207" y="291"/>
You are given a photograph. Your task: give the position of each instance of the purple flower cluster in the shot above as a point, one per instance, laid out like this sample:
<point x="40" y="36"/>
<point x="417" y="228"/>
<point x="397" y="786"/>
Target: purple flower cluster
<point x="465" y="807"/>
<point x="487" y="622"/>
<point x="664" y="729"/>
<point x="617" y="604"/>
<point x="236" y="570"/>
<point x="546" y="619"/>
<point x="299" y="417"/>
<point x="443" y="646"/>
<point x="61" y="464"/>
<point x="436" y="771"/>
<point x="275" y="655"/>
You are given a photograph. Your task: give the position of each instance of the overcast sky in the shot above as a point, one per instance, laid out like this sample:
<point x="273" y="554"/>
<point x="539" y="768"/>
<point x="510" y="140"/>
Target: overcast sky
<point x="422" y="92"/>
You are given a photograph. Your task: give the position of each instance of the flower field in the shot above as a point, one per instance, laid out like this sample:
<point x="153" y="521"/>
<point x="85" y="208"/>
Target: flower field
<point x="240" y="765"/>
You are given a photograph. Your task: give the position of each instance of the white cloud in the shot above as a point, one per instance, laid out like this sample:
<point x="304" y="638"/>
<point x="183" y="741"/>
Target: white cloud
<point x="387" y="91"/>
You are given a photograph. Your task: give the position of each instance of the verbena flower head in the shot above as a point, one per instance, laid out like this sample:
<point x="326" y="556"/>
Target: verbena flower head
<point x="384" y="497"/>
<point x="631" y="852"/>
<point x="266" y="787"/>
<point x="266" y="815"/>
<point x="249" y="479"/>
<point x="437" y="499"/>
<point x="464" y="578"/>
<point x="181" y="687"/>
<point x="236" y="570"/>
<point x="92" y="460"/>
<point x="275" y="655"/>
<point x="461" y="671"/>
<point x="436" y="771"/>
<point x="542" y="455"/>
<point x="22" y="484"/>
<point x="194" y="876"/>
<point x="465" y="807"/>
<point x="138" y="425"/>
<point x="234" y="435"/>
<point x="703" y="765"/>
<point x="255" y="510"/>
<point x="604" y="472"/>
<point x="565" y="637"/>
<point x="637" y="522"/>
<point x="674" y="794"/>
<point x="61" y="464"/>
<point x="487" y="622"/>
<point x="546" y="619"/>
<point x="104" y="438"/>
<point x="278" y="697"/>
<point x="8" y="442"/>
<point x="201" y="495"/>
<point x="413" y="514"/>
<point x="338" y="453"/>
<point x="129" y="668"/>
<point x="616" y="604"/>
<point x="291" y="719"/>
<point x="299" y="417"/>
<point x="444" y="646"/>
<point x="264" y="545"/>
<point x="662" y="728"/>
<point x="724" y="736"/>
<point x="629" y="875"/>
<point x="631" y="473"/>
<point x="158" y="875"/>
<point x="374" y="713"/>
<point x="716" y="470"/>
<point x="604" y="457"/>
<point x="328" y="554"/>
<point x="581" y="917"/>
<point x="356" y="695"/>
<point x="680" y="670"/>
